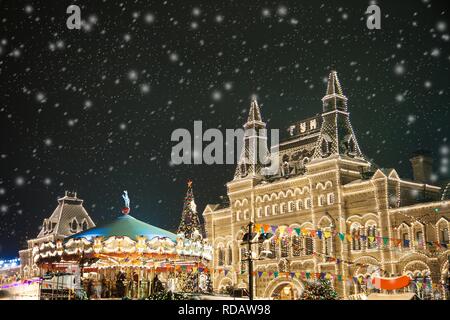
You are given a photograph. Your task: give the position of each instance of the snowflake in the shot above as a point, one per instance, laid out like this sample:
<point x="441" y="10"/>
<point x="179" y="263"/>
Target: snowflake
<point x="132" y="75"/>
<point x="194" y="25"/>
<point x="28" y="8"/>
<point x="72" y="122"/>
<point x="444" y="150"/>
<point x="149" y="18"/>
<point x="411" y="119"/>
<point x="40" y="97"/>
<point x="435" y="52"/>
<point x="400" y="97"/>
<point x="145" y="88"/>
<point x="87" y="104"/>
<point x="216" y="95"/>
<point x="228" y="86"/>
<point x="399" y="69"/>
<point x="196" y="12"/>
<point x="174" y="57"/>
<point x="282" y="11"/>
<point x="48" y="142"/>
<point x="16" y="53"/>
<point x="441" y="26"/>
<point x="19" y="181"/>
<point x="219" y="18"/>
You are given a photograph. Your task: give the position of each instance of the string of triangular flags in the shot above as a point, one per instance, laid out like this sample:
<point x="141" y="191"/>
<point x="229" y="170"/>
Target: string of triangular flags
<point x="305" y="276"/>
<point x="306" y="232"/>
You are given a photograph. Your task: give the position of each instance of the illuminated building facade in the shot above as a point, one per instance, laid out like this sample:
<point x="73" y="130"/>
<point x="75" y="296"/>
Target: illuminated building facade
<point x="330" y="213"/>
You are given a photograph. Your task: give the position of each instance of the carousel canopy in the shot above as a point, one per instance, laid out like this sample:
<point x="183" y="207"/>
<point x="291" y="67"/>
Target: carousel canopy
<point x="127" y="226"/>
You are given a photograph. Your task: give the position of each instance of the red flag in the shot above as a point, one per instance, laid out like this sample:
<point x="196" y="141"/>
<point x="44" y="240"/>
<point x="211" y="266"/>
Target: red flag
<point x="391" y="283"/>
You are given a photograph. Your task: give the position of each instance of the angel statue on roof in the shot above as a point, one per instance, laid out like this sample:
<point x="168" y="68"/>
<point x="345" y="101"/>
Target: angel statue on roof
<point x="126" y="199"/>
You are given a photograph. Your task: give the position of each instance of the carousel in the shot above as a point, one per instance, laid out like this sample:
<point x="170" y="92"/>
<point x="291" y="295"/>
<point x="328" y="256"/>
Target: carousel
<point x="128" y="258"/>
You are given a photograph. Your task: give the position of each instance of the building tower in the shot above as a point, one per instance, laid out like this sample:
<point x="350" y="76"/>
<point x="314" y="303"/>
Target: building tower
<point x="254" y="155"/>
<point x="190" y="221"/>
<point x="337" y="138"/>
<point x="68" y="218"/>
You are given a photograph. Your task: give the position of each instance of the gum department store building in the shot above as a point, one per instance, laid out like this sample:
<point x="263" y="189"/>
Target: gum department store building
<point x="326" y="183"/>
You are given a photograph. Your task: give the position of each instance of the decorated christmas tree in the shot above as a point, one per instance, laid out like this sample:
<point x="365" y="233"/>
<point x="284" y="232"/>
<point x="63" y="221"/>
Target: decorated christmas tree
<point x="319" y="290"/>
<point x="190" y="222"/>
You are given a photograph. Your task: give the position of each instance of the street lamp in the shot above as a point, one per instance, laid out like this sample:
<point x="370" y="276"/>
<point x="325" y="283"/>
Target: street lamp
<point x="262" y="256"/>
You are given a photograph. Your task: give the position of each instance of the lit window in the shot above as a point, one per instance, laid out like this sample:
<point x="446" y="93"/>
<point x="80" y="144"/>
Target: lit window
<point x="444" y="235"/>
<point x="330" y="198"/>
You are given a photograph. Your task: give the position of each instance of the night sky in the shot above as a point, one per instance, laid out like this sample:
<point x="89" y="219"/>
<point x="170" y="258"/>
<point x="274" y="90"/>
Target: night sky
<point x="93" y="110"/>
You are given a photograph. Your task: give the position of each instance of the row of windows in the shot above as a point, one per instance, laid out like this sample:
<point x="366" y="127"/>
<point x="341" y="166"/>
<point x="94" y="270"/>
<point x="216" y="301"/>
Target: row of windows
<point x="288" y="207"/>
<point x="75" y="227"/>
<point x="369" y="234"/>
<point x="419" y="238"/>
<point x="291" y="206"/>
<point x="294" y="246"/>
<point x="289" y="193"/>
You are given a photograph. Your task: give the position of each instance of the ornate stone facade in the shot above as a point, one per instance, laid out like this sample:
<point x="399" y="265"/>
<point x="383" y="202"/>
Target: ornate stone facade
<point x="326" y="183"/>
<point x="68" y="218"/>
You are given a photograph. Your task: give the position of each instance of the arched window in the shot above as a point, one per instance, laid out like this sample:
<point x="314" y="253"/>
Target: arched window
<point x="74" y="226"/>
<point x="405" y="239"/>
<point x="84" y="225"/>
<point x="283" y="208"/>
<point x="243" y="259"/>
<point x="309" y="246"/>
<point x="296" y="245"/>
<point x="419" y="239"/>
<point x="330" y="198"/>
<point x="272" y="248"/>
<point x="259" y="212"/>
<point x="220" y="256"/>
<point x="276" y="209"/>
<point x="230" y="255"/>
<point x="268" y="210"/>
<point x="291" y="206"/>
<point x="356" y="237"/>
<point x="299" y="205"/>
<point x="308" y="203"/>
<point x="444" y="236"/>
<point x="371" y="236"/>
<point x="321" y="200"/>
<point x="327" y="242"/>
<point x="284" y="246"/>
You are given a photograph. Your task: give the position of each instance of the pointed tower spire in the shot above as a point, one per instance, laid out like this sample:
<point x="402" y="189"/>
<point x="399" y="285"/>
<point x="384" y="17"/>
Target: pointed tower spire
<point x="336" y="134"/>
<point x="254" y="115"/>
<point x="254" y="152"/>
<point x="334" y="98"/>
<point x="190" y="221"/>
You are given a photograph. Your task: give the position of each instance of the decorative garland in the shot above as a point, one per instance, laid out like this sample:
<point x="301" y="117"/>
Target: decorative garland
<point x="266" y="228"/>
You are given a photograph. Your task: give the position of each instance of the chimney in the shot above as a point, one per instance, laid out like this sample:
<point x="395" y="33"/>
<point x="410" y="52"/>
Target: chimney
<point x="422" y="164"/>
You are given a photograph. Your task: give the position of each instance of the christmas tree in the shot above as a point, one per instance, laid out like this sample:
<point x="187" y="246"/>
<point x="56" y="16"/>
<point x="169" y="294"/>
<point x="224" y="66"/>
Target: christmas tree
<point x="319" y="290"/>
<point x="190" y="221"/>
